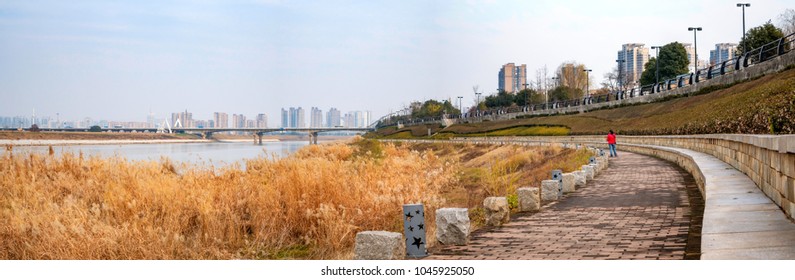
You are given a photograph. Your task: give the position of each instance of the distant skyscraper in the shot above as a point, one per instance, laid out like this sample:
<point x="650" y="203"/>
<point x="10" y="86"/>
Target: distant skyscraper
<point x="285" y="118"/>
<point x="262" y="121"/>
<point x="185" y="119"/>
<point x="350" y="120"/>
<point x="238" y="121"/>
<point x="721" y="53"/>
<point x="333" y="118"/>
<point x="251" y="123"/>
<point x="634" y="56"/>
<point x="315" y="117"/>
<point x="220" y="120"/>
<point x="512" y="78"/>
<point x="690" y="55"/>
<point x="150" y="120"/>
<point x="297" y="117"/>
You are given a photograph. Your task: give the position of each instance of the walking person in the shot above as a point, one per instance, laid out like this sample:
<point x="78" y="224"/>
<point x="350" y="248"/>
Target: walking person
<point x="611" y="141"/>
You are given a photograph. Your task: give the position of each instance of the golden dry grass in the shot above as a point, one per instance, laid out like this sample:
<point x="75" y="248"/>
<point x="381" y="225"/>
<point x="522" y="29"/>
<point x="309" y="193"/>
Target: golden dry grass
<point x="498" y="170"/>
<point x="309" y="205"/>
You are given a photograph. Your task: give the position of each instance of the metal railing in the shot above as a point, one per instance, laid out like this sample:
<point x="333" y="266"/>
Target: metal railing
<point x="764" y="53"/>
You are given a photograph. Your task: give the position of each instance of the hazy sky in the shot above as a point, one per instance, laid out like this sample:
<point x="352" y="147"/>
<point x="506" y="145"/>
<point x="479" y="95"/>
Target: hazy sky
<point x="118" y="60"/>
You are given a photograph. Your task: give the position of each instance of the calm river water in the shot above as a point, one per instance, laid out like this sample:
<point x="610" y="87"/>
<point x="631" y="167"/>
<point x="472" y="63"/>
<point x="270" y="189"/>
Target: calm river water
<point x="215" y="153"/>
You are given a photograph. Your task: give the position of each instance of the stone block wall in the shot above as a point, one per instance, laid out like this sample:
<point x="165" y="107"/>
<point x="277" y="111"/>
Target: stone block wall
<point x="769" y="160"/>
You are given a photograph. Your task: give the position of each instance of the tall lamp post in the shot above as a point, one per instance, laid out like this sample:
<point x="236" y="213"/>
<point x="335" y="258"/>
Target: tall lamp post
<point x="743" y="5"/>
<point x="695" y="45"/>
<point x="620" y="61"/>
<point x="460" y="108"/>
<point x="656" y="67"/>
<point x="525" y="94"/>
<point x="477" y="106"/>
<point x="556" y="83"/>
<point x="587" y="81"/>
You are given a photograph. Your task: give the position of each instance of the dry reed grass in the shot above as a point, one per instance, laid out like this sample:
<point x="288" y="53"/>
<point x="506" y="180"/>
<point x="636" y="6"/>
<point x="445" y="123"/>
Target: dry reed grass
<point x="308" y="205"/>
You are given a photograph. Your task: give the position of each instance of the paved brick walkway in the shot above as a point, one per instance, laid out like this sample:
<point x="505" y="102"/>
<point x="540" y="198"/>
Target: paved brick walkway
<point x="636" y="209"/>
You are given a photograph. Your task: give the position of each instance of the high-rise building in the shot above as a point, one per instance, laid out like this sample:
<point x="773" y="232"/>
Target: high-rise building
<point x="251" y="123"/>
<point x="262" y="121"/>
<point x="220" y="120"/>
<point x="185" y="119"/>
<point x="512" y="78"/>
<point x="285" y="118"/>
<point x="349" y="120"/>
<point x="296" y="117"/>
<point x="315" y="117"/>
<point x="634" y="57"/>
<point x="150" y="120"/>
<point x="721" y="53"/>
<point x="690" y="56"/>
<point x="333" y="118"/>
<point x="238" y="121"/>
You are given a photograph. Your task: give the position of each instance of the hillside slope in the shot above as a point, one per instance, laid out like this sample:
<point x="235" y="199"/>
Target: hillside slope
<point x="762" y="106"/>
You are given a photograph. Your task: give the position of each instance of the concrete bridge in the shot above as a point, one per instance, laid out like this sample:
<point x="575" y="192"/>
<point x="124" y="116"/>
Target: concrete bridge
<point x="206" y="133"/>
<point x="747" y="183"/>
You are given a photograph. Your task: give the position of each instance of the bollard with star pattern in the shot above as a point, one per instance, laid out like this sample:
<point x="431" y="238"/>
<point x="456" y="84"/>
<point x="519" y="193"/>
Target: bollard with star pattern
<point x="414" y="228"/>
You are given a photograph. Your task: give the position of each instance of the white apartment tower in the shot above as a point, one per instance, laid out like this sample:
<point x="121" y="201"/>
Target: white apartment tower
<point x="633" y="58"/>
<point x="315" y="117"/>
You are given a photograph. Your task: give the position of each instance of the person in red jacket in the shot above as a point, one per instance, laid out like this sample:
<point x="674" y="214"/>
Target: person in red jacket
<point x="611" y="141"/>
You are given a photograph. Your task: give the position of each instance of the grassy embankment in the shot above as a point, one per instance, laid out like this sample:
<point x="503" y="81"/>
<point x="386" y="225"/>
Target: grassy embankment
<point x="761" y="106"/>
<point x="308" y="206"/>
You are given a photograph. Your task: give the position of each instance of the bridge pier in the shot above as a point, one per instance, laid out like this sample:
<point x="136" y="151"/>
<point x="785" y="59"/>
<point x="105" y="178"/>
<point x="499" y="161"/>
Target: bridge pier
<point x="258" y="138"/>
<point x="313" y="138"/>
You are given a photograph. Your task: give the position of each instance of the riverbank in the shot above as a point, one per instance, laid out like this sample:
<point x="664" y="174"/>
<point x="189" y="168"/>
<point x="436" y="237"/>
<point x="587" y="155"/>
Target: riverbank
<point x="53" y="142"/>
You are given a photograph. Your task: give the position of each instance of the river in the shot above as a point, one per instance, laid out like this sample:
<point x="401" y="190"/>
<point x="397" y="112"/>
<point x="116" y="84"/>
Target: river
<point x="214" y="153"/>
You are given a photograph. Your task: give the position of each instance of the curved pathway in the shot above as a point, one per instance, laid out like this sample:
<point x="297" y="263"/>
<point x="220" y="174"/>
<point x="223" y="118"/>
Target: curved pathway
<point x="638" y="208"/>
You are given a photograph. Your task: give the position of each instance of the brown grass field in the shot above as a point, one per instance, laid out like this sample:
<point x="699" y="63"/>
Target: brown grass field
<point x="306" y="206"/>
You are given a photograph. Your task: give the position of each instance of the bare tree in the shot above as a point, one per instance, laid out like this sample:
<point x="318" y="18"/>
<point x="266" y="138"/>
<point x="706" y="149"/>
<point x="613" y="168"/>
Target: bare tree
<point x="571" y="74"/>
<point x="787" y="21"/>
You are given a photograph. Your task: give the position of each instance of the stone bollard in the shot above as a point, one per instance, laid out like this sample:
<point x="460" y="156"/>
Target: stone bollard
<point x="379" y="245"/>
<point x="596" y="169"/>
<point x="557" y="175"/>
<point x="550" y="190"/>
<point x="452" y="226"/>
<point x="497" y="211"/>
<point x="529" y="199"/>
<point x="589" y="173"/>
<point x="568" y="182"/>
<point x="414" y="229"/>
<point x="579" y="178"/>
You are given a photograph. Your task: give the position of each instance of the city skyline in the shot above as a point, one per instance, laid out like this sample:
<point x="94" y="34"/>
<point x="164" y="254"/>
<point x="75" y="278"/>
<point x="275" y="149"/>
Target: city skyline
<point x="121" y="60"/>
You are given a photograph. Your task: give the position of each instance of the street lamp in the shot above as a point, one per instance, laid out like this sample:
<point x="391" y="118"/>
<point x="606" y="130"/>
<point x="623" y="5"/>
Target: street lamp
<point x="557" y="81"/>
<point x="695" y="45"/>
<point x="743" y="5"/>
<point x="587" y="81"/>
<point x="525" y="93"/>
<point x="478" y="105"/>
<point x="657" y="67"/>
<point x="619" y="73"/>
<point x="460" y="108"/>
